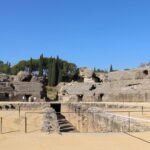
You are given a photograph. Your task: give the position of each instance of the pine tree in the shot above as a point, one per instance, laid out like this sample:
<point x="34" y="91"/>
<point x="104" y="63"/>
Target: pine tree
<point x="41" y="62"/>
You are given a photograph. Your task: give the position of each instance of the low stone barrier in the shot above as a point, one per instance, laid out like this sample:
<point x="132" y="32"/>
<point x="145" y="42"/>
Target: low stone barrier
<point x="50" y="121"/>
<point x="94" y="119"/>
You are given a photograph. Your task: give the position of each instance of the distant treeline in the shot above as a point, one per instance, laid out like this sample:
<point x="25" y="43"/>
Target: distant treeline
<point x="5" y="67"/>
<point x="55" y="69"/>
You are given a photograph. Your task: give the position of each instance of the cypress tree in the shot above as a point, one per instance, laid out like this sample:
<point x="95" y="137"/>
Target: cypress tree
<point x="31" y="66"/>
<point x="60" y="75"/>
<point x="54" y="73"/>
<point x="111" y="68"/>
<point x="8" y="68"/>
<point x="50" y="72"/>
<point x="59" y="70"/>
<point x="41" y="62"/>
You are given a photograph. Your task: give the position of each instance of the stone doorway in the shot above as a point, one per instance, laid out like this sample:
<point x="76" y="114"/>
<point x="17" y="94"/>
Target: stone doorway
<point x="27" y="97"/>
<point x="100" y="97"/>
<point x="80" y="97"/>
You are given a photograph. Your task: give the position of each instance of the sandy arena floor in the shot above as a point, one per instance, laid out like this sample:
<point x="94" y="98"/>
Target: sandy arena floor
<point x="14" y="138"/>
<point x="108" y="141"/>
<point x="13" y="123"/>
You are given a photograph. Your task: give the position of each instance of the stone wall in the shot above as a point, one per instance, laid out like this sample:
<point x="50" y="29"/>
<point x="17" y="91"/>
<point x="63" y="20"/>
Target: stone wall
<point x="23" y="87"/>
<point x="94" y="119"/>
<point x="120" y="86"/>
<point x="22" y="106"/>
<point x="86" y="74"/>
<point x="33" y="89"/>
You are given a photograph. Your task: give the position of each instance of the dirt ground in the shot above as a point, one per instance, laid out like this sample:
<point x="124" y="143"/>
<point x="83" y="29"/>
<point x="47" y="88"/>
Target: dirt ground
<point x="73" y="141"/>
<point x="13" y="122"/>
<point x="14" y="138"/>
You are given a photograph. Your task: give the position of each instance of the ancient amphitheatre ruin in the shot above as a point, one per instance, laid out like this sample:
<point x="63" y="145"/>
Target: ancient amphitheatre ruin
<point x="115" y="107"/>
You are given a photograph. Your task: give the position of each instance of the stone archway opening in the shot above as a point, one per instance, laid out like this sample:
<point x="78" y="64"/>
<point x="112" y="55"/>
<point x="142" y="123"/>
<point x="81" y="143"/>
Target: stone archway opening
<point x="80" y="97"/>
<point x="27" y="97"/>
<point x="100" y="97"/>
<point x="145" y="72"/>
<point x="7" y="95"/>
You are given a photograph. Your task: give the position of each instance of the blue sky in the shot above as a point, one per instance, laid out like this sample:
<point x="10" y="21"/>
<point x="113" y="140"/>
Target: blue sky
<point x="94" y="33"/>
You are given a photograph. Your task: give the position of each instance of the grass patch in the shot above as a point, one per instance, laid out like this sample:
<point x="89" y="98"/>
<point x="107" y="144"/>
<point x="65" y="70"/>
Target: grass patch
<point x="51" y="92"/>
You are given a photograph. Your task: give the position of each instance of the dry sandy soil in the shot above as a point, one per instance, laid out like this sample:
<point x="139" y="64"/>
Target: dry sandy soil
<point x="73" y="141"/>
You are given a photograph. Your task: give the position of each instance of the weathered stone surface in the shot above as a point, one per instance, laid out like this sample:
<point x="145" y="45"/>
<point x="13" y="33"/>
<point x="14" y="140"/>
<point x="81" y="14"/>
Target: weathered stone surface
<point x="38" y="79"/>
<point x="21" y="106"/>
<point x="6" y="91"/>
<point x="87" y="74"/>
<point x="95" y="119"/>
<point x="23" y="76"/>
<point x="35" y="79"/>
<point x="134" y="74"/>
<point x="74" y="91"/>
<point x="50" y="121"/>
<point x="119" y="86"/>
<point x="21" y="88"/>
<point x="4" y="77"/>
<point x="102" y="76"/>
<point x="32" y="91"/>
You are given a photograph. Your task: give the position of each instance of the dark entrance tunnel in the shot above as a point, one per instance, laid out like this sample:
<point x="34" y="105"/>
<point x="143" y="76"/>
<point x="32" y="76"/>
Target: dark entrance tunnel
<point x="27" y="97"/>
<point x="56" y="107"/>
